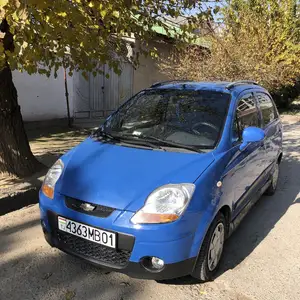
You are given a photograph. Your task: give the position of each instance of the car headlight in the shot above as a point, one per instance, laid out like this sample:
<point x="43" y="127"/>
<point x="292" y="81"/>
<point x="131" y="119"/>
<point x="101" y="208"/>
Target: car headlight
<point x="165" y="204"/>
<point x="51" y="178"/>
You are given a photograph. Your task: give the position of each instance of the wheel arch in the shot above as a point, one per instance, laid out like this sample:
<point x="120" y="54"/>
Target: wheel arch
<point x="226" y="211"/>
<point x="279" y="158"/>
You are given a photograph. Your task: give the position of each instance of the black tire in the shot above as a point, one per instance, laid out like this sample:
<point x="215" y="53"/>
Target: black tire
<point x="274" y="181"/>
<point x="201" y="270"/>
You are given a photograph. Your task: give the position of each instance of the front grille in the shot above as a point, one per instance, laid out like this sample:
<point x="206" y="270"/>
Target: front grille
<point x="117" y="258"/>
<point x="99" y="210"/>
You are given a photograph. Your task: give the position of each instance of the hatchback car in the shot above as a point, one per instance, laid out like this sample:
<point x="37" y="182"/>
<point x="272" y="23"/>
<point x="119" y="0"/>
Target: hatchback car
<point x="157" y="189"/>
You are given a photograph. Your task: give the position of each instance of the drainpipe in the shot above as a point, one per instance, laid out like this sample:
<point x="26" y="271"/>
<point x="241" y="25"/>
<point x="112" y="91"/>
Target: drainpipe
<point x="67" y="98"/>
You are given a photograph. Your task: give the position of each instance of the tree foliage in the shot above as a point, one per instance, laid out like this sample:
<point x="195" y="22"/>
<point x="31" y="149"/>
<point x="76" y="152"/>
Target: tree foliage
<point x="83" y="34"/>
<point x="40" y="36"/>
<point x="258" y="40"/>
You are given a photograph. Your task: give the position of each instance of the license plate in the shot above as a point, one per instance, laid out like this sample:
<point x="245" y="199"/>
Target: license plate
<point x="87" y="232"/>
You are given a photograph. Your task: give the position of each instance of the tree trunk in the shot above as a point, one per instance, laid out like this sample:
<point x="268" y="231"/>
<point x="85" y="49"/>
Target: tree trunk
<point x="15" y="155"/>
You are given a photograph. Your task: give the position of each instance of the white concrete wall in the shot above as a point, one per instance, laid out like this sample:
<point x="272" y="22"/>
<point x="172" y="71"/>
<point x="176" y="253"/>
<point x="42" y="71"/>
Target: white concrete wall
<point x="42" y="98"/>
<point x="148" y="72"/>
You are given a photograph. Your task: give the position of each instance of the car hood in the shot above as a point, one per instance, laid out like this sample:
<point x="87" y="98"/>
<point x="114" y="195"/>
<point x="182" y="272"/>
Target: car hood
<point x="122" y="177"/>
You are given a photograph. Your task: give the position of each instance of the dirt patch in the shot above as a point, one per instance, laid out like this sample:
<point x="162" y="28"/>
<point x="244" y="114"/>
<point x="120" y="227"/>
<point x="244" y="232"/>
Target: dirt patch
<point x="47" y="144"/>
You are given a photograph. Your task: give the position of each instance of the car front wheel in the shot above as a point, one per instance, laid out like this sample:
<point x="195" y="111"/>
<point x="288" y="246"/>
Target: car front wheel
<point x="211" y="251"/>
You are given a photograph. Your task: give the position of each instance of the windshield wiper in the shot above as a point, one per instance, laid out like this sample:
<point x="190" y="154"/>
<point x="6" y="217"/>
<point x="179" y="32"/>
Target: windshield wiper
<point x="144" y="140"/>
<point x="105" y="135"/>
<point x="132" y="139"/>
<point x="172" y="144"/>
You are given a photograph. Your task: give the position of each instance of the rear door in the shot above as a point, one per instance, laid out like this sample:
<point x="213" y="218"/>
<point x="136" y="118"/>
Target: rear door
<point x="272" y="127"/>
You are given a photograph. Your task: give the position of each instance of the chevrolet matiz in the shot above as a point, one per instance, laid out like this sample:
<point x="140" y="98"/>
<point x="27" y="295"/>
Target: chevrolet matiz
<point x="156" y="190"/>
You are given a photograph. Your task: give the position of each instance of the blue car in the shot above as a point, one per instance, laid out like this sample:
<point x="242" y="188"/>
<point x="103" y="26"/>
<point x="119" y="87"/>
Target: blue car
<point x="157" y="189"/>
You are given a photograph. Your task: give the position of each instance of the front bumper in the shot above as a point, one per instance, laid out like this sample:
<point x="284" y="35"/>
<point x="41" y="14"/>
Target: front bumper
<point x="111" y="259"/>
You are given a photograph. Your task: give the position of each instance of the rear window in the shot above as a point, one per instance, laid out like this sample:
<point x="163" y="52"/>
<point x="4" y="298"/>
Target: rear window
<point x="267" y="107"/>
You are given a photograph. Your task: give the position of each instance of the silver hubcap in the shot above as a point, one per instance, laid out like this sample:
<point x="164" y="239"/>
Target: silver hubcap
<point x="216" y="247"/>
<point x="275" y="176"/>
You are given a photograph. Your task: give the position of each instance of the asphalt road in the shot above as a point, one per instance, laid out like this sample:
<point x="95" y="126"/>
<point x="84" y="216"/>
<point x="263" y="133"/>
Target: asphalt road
<point x="261" y="259"/>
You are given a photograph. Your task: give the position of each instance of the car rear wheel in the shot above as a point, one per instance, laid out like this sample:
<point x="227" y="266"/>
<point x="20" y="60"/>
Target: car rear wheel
<point x="211" y="250"/>
<point x="274" y="181"/>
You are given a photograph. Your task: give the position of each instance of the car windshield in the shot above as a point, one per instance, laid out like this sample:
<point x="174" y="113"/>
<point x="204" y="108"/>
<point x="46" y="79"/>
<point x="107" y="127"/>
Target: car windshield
<point x="182" y="117"/>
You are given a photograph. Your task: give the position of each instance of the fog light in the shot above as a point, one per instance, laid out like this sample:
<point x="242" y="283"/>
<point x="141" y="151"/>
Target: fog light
<point x="157" y="263"/>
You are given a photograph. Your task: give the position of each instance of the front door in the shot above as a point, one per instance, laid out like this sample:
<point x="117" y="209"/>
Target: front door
<point x="246" y="166"/>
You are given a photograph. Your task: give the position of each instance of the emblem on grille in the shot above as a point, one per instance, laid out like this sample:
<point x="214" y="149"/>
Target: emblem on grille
<point x="87" y="207"/>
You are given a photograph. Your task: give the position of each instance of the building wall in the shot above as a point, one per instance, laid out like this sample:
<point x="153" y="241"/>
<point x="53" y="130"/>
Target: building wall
<point x="148" y="72"/>
<point x="42" y="98"/>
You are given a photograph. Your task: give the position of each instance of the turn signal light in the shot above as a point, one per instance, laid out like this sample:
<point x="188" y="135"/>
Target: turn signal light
<point x="150" y="218"/>
<point x="48" y="191"/>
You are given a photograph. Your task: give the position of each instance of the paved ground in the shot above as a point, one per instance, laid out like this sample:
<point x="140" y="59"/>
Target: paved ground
<point x="261" y="261"/>
<point x="47" y="144"/>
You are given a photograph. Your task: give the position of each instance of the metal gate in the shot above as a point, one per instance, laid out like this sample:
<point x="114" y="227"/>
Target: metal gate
<point x="98" y="96"/>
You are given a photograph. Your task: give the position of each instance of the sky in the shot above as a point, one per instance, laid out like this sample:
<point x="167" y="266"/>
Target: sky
<point x="209" y="4"/>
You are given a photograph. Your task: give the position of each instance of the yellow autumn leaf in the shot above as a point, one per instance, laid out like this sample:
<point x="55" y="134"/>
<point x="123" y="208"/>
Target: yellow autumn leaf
<point x="116" y="14"/>
<point x="3" y="3"/>
<point x="62" y="14"/>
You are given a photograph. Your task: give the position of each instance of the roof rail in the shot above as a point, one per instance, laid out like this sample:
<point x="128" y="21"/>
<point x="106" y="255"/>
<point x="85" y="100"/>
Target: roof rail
<point x="233" y="84"/>
<point x="156" y="84"/>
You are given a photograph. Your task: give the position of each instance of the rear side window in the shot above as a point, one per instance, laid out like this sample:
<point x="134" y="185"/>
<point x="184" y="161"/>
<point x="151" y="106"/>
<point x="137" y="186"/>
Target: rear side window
<point x="246" y="115"/>
<point x="267" y="107"/>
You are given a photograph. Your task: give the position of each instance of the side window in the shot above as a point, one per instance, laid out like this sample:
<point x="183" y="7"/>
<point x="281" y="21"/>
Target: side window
<point x="267" y="107"/>
<point x="246" y="115"/>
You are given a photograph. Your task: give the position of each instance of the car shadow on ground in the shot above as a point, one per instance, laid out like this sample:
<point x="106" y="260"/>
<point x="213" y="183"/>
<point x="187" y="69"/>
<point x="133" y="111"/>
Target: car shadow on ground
<point x="45" y="273"/>
<point x="264" y="216"/>
<point x="269" y="209"/>
<point x="60" y="277"/>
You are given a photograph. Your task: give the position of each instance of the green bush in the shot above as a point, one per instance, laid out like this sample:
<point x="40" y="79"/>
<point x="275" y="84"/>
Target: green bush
<point x="285" y="95"/>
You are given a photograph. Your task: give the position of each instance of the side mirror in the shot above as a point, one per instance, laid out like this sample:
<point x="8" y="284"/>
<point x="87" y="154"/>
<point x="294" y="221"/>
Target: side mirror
<point x="250" y="135"/>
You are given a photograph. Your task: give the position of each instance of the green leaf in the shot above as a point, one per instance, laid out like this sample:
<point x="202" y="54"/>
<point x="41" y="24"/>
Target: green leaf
<point x="103" y="13"/>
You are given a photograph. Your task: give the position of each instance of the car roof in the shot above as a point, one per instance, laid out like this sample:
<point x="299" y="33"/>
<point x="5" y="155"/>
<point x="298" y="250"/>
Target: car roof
<point x="217" y="86"/>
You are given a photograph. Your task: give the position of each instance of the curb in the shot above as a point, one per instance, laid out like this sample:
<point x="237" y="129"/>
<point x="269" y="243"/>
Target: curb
<point x="19" y="200"/>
